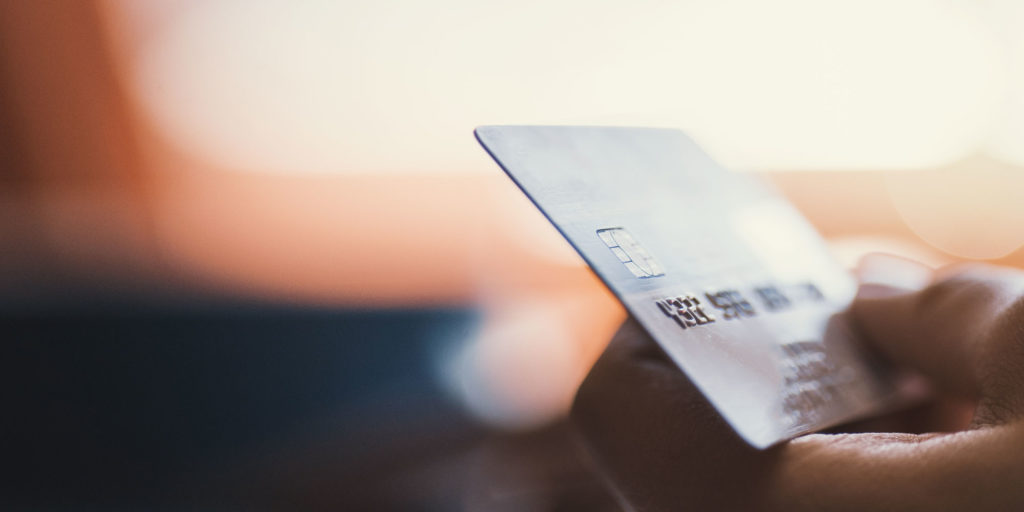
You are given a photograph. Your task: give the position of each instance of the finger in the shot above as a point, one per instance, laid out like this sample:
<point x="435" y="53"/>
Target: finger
<point x="940" y="415"/>
<point x="942" y="330"/>
<point x="974" y="470"/>
<point x="647" y="426"/>
<point x="665" y="448"/>
<point x="893" y="273"/>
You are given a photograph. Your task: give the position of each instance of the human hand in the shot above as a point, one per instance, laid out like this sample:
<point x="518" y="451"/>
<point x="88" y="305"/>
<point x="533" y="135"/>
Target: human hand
<point x="663" y="447"/>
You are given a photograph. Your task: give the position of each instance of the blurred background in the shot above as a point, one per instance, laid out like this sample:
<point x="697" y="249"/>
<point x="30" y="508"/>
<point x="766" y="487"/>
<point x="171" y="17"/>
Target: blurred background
<point x="253" y="256"/>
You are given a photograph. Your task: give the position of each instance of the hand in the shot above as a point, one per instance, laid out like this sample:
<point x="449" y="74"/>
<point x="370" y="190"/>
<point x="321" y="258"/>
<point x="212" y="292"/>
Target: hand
<point x="663" y="447"/>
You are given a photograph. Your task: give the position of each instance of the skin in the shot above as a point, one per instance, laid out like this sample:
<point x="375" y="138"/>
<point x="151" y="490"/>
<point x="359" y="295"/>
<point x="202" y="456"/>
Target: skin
<point x="661" y="446"/>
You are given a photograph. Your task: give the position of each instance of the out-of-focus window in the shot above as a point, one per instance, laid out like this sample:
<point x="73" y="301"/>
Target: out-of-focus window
<point x="322" y="150"/>
<point x="393" y="86"/>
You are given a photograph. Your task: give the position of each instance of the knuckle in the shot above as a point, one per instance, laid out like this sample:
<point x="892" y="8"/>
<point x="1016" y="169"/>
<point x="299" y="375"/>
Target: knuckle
<point x="970" y="287"/>
<point x="1005" y="343"/>
<point x="1011" y="321"/>
<point x="1000" y="365"/>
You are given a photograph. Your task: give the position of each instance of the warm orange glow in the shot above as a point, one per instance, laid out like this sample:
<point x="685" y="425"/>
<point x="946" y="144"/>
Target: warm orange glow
<point x="362" y="240"/>
<point x="971" y="210"/>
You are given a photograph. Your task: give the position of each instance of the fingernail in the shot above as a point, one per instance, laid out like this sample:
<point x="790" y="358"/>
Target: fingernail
<point x="889" y="275"/>
<point x="880" y="291"/>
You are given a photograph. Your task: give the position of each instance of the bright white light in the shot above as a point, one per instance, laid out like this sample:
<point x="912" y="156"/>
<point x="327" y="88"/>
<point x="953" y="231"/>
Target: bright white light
<point x="807" y="84"/>
<point x="1007" y="18"/>
<point x="521" y="372"/>
<point x="398" y="85"/>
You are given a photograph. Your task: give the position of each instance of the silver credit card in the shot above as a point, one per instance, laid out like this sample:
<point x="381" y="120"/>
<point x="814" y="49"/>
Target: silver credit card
<point x="725" y="275"/>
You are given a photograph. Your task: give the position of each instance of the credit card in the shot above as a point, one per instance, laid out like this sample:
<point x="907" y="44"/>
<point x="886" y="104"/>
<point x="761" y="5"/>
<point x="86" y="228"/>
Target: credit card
<point x="729" y="278"/>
